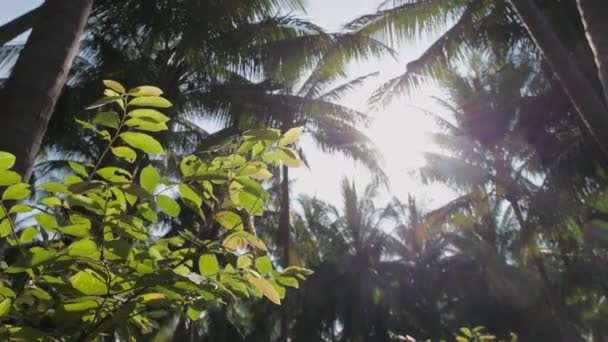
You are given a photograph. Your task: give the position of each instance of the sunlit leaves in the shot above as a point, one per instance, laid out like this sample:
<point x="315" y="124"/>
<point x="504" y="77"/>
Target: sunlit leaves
<point x="168" y="205"/>
<point x="151" y="115"/>
<point x="9" y="178"/>
<point x="263" y="265"/>
<point x="187" y="193"/>
<point x="289" y="157"/>
<point x="5" y="307"/>
<point x="264" y="287"/>
<point x="89" y="282"/>
<point x="145" y="91"/>
<point x="46" y="221"/>
<point x="117" y="87"/>
<point x="291" y="136"/>
<point x="16" y="192"/>
<point x="115" y="174"/>
<point x="229" y="220"/>
<point x="125" y="153"/>
<point x="151" y="101"/>
<point x="108" y="119"/>
<point x="7" y="160"/>
<point x="104" y="101"/>
<point x="143" y="142"/>
<point x="208" y="265"/>
<point x="149" y="179"/>
<point x="84" y="248"/>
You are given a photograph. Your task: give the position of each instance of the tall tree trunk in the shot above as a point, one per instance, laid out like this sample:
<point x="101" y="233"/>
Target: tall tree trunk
<point x="14" y="28"/>
<point x="594" y="14"/>
<point x="38" y="78"/>
<point x="584" y="97"/>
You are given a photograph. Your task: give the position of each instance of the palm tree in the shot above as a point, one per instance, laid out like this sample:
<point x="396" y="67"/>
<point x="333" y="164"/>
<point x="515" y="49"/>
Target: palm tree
<point x="30" y="94"/>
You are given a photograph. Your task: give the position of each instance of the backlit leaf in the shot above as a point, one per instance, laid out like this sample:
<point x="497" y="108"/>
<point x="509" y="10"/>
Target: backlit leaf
<point x="125" y="153"/>
<point x="291" y="136"/>
<point x="89" y="283"/>
<point x="265" y="287"/>
<point x="142" y="141"/>
<point x="16" y="192"/>
<point x="229" y="220"/>
<point x="79" y="169"/>
<point x="149" y="114"/>
<point x="145" y="91"/>
<point x="149" y="178"/>
<point x="288" y="157"/>
<point x="167" y="205"/>
<point x="108" y="119"/>
<point x="208" y="265"/>
<point x="84" y="248"/>
<point x="7" y="160"/>
<point x="28" y="234"/>
<point x="263" y="265"/>
<point x="117" y="87"/>
<point x="5" y="307"/>
<point x="115" y="174"/>
<point x="9" y="178"/>
<point x="151" y="101"/>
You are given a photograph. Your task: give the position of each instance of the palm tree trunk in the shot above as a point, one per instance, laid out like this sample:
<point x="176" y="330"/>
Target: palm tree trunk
<point x="584" y="97"/>
<point x="38" y="78"/>
<point x="594" y="14"/>
<point x="14" y="28"/>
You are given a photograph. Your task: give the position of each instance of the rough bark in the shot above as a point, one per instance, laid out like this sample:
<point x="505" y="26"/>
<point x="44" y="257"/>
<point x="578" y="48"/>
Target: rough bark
<point x="38" y="78"/>
<point x="16" y="27"/>
<point x="583" y="96"/>
<point x="594" y="14"/>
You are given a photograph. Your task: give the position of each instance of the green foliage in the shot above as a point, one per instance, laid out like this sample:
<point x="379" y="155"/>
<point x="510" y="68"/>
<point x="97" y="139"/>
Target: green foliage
<point x="89" y="264"/>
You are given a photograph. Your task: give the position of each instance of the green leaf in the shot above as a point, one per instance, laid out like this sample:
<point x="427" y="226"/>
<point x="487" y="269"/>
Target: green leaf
<point x="466" y="331"/>
<point x="9" y="178"/>
<point x="262" y="134"/>
<point x="230" y="241"/>
<point x="142" y="141"/>
<point x="288" y="281"/>
<point x="55" y="187"/>
<point x="263" y="265"/>
<point x="244" y="261"/>
<point x="16" y="192"/>
<point x="104" y="101"/>
<point x="229" y="220"/>
<point x="115" y="174"/>
<point x="46" y="221"/>
<point x="7" y="160"/>
<point x="145" y="91"/>
<point x="291" y="136"/>
<point x="261" y="174"/>
<point x="168" y="205"/>
<point x="149" y="115"/>
<point x="151" y="101"/>
<point x="79" y="169"/>
<point x="288" y="156"/>
<point x="147" y="212"/>
<point x="5" y="307"/>
<point x="208" y="265"/>
<point x="20" y="209"/>
<point x="265" y="287"/>
<point x="145" y="125"/>
<point x="78" y="230"/>
<point x="149" y="179"/>
<point x="186" y="192"/>
<point x="461" y="339"/>
<point x="28" y="234"/>
<point x="84" y="249"/>
<point x="108" y="119"/>
<point x="125" y="153"/>
<point x="80" y="306"/>
<point x="117" y="87"/>
<point x="5" y="228"/>
<point x="89" y="283"/>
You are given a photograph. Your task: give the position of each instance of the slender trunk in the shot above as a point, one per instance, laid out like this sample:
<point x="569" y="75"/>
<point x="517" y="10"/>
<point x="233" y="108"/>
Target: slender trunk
<point x="594" y="14"/>
<point x="584" y="97"/>
<point x="38" y="78"/>
<point x="284" y="217"/>
<point x="16" y="27"/>
<point x="284" y="243"/>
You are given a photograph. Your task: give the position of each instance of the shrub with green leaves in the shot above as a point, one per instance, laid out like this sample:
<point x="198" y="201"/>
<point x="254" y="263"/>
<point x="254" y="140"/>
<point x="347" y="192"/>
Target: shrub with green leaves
<point x="84" y="262"/>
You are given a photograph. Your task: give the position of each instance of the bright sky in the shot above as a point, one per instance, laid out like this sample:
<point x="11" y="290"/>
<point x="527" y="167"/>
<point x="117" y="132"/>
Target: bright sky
<point x="400" y="131"/>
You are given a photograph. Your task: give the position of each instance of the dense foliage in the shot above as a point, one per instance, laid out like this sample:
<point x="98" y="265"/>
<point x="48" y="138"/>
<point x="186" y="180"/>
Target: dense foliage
<point x="84" y="260"/>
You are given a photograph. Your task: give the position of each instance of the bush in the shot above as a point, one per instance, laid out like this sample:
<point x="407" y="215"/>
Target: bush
<point x="86" y="264"/>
